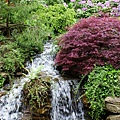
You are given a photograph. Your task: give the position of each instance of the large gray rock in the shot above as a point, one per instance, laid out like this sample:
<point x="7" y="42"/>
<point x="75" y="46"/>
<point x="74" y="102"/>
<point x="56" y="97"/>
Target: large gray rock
<point x="113" y="104"/>
<point x="113" y="117"/>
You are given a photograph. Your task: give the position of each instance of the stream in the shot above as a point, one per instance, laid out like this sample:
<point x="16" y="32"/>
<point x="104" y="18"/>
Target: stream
<point x="65" y="104"/>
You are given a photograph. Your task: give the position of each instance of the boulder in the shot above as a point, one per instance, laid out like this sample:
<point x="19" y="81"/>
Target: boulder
<point x="113" y="104"/>
<point x="113" y="117"/>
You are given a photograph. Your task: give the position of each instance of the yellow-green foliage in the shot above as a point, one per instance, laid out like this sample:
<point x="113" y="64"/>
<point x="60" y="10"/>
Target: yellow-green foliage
<point x="56" y="17"/>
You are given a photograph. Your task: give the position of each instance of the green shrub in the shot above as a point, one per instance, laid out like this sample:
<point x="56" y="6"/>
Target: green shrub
<point x="22" y="11"/>
<point x="102" y="82"/>
<point x="29" y="42"/>
<point x="52" y="2"/>
<point x="56" y="17"/>
<point x="12" y="60"/>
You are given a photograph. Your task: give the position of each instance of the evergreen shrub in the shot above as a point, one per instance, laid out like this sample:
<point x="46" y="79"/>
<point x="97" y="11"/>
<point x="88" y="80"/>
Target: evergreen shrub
<point x="90" y="41"/>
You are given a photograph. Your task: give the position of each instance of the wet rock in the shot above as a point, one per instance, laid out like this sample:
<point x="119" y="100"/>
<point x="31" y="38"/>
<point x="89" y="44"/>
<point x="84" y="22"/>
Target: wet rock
<point x="47" y="78"/>
<point x="18" y="74"/>
<point x="113" y="104"/>
<point x="55" y="78"/>
<point x="85" y="101"/>
<point x="26" y="116"/>
<point x="113" y="108"/>
<point x="2" y="94"/>
<point x="38" y="111"/>
<point x="7" y="87"/>
<point x="42" y="73"/>
<point x="40" y="118"/>
<point x="3" y="74"/>
<point x="113" y="117"/>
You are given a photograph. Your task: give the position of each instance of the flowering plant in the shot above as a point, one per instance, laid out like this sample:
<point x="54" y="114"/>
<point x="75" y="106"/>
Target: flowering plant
<point x="86" y="8"/>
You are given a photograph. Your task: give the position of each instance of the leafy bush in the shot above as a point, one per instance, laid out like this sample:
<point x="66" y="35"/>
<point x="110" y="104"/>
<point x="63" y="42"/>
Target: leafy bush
<point x="52" y="2"/>
<point x="22" y="11"/>
<point x="24" y="43"/>
<point x="15" y="51"/>
<point x="56" y="17"/>
<point x="90" y="41"/>
<point x="102" y="82"/>
<point x="29" y="41"/>
<point x="11" y="58"/>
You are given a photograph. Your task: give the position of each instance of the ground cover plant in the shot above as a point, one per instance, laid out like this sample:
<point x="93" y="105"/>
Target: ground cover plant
<point x="102" y="82"/>
<point x="90" y="41"/>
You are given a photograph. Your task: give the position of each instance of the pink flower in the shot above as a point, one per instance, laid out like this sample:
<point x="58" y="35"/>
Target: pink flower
<point x="65" y="4"/>
<point x="84" y="8"/>
<point x="107" y="3"/>
<point x="82" y="2"/>
<point x="99" y="4"/>
<point x="116" y="0"/>
<point x="45" y="5"/>
<point x="90" y="3"/>
<point x="72" y="0"/>
<point x="114" y="9"/>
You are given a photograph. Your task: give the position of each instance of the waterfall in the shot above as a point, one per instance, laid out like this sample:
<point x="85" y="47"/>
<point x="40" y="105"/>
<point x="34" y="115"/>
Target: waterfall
<point x="11" y="102"/>
<point x="64" y="103"/>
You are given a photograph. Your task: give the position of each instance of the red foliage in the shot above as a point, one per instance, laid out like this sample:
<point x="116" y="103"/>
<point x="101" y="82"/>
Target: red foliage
<point x="90" y="41"/>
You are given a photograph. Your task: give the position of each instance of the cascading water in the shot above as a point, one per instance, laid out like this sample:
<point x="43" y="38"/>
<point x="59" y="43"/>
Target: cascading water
<point x="10" y="103"/>
<point x="64" y="103"/>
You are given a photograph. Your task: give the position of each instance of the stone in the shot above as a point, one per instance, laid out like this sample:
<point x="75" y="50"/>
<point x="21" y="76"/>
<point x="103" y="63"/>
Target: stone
<point x="113" y="117"/>
<point x="2" y="93"/>
<point x="3" y="74"/>
<point x="112" y="104"/>
<point x="113" y="100"/>
<point x="113" y="108"/>
<point x="7" y="87"/>
<point x="19" y="74"/>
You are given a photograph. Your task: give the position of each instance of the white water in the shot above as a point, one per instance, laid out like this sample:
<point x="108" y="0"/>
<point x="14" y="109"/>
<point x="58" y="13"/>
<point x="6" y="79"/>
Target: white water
<point x="64" y="105"/>
<point x="10" y="103"/>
